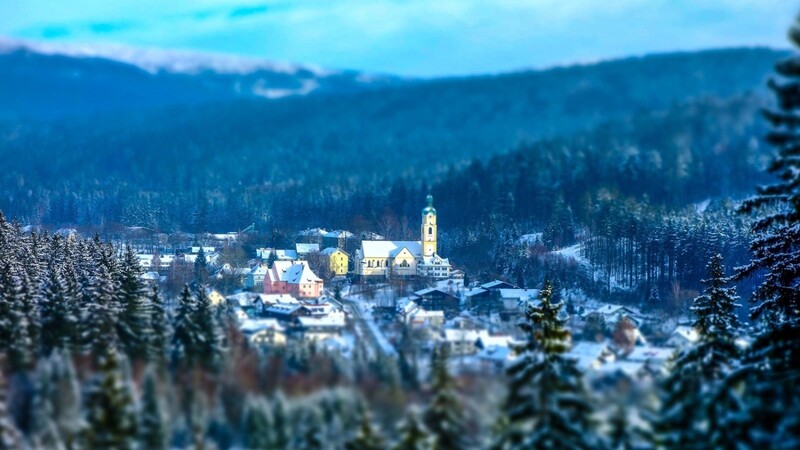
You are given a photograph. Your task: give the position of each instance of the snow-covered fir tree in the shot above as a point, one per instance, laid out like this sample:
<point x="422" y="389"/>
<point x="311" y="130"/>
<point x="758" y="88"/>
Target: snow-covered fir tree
<point x="257" y="429"/>
<point x="159" y="339"/>
<point x="773" y="360"/>
<point x="698" y="403"/>
<point x="153" y="430"/>
<point x="412" y="433"/>
<point x="185" y="332"/>
<point x="109" y="406"/>
<point x="444" y="415"/>
<point x="367" y="437"/>
<point x="134" y="327"/>
<point x="10" y="437"/>
<point x="55" y="312"/>
<point x="547" y="404"/>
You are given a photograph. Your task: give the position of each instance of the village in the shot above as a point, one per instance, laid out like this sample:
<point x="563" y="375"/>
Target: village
<point x="338" y="290"/>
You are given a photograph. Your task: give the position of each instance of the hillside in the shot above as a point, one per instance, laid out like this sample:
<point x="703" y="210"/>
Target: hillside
<point x="46" y="82"/>
<point x="338" y="146"/>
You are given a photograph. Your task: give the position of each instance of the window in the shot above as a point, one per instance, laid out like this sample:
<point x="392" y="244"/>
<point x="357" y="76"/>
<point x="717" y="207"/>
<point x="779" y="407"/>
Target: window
<point x="430" y="230"/>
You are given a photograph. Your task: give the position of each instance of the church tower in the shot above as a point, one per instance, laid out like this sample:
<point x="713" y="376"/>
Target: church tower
<point x="428" y="232"/>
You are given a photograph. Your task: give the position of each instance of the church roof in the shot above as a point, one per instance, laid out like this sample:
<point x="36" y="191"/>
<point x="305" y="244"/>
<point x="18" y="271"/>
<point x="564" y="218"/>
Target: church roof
<point x="384" y="249"/>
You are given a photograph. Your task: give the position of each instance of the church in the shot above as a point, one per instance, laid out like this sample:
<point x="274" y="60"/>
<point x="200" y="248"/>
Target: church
<point x="388" y="259"/>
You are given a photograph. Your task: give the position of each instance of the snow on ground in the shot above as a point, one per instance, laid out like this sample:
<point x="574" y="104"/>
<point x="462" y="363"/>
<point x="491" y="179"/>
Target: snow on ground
<point x="530" y="239"/>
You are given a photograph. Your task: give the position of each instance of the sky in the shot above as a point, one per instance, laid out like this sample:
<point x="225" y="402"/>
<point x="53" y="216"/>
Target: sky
<point x="408" y="37"/>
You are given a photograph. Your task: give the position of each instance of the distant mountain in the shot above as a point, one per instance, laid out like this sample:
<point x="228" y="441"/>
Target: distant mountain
<point x="251" y="158"/>
<point x="42" y="80"/>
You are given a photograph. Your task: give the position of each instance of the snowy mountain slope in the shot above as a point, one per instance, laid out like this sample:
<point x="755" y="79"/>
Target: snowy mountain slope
<point x="46" y="80"/>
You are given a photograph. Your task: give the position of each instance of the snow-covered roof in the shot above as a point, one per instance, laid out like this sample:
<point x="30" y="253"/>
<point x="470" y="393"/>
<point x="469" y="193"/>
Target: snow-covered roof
<point x="250" y="326"/>
<point x="292" y="272"/>
<point x="425" y="314"/>
<point x="494" y="284"/>
<point x="648" y="353"/>
<point x="313" y="232"/>
<point x="608" y="310"/>
<point x="286" y="299"/>
<point x="476" y="291"/>
<point x="435" y="260"/>
<point x="496" y="341"/>
<point x="464" y="335"/>
<point x="332" y="250"/>
<point x="521" y="294"/>
<point x="303" y="248"/>
<point x="282" y="309"/>
<point x="406" y="305"/>
<point x="384" y="249"/>
<point x="588" y="354"/>
<point x="332" y="320"/>
<point x="689" y="334"/>
<point x="285" y="255"/>
<point x="259" y="270"/>
<point x="338" y="234"/>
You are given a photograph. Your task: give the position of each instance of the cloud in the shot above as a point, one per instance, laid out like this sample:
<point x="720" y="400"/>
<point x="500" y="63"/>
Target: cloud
<point x="409" y="37"/>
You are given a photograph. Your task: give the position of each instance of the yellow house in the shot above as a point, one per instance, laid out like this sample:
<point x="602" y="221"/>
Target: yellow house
<point x="338" y="260"/>
<point x="216" y="298"/>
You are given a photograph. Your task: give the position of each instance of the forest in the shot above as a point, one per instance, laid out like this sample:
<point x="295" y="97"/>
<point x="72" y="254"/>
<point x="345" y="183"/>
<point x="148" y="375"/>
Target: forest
<point x="668" y="182"/>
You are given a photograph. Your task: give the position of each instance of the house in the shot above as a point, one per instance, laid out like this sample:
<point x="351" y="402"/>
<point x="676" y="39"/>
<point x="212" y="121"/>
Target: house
<point x="517" y="299"/>
<point x="682" y="336"/>
<point x="591" y="355"/>
<point x="314" y="328"/>
<point x="654" y="357"/>
<point x="496" y="285"/>
<point x="437" y="299"/>
<point x="379" y="259"/>
<point x="611" y="314"/>
<point x="336" y="238"/>
<point x="434" y="267"/>
<point x="215" y="297"/>
<point x="292" y="277"/>
<point x="303" y="249"/>
<point x="312" y="235"/>
<point x="255" y="277"/>
<point x="424" y="318"/>
<point x="264" y="332"/>
<point x="283" y="312"/>
<point x="155" y="262"/>
<point x="337" y="259"/>
<point x="463" y="341"/>
<point x="280" y="254"/>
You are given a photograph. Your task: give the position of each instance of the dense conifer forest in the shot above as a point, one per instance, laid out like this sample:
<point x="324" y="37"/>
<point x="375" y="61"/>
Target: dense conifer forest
<point x="550" y="180"/>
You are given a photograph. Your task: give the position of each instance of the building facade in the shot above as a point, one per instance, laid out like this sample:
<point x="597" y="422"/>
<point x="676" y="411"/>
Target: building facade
<point x="388" y="259"/>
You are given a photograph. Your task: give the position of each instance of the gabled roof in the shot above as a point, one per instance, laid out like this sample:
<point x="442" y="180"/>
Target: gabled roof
<point x="331" y="250"/>
<point x="292" y="272"/>
<point x="496" y="284"/>
<point x="384" y="249"/>
<point x="608" y="310"/>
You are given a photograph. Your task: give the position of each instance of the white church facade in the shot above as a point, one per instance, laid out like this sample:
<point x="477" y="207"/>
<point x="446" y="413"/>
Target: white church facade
<point x="388" y="259"/>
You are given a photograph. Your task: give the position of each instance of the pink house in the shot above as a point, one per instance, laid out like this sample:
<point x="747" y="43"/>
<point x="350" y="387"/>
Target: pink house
<point x="294" y="278"/>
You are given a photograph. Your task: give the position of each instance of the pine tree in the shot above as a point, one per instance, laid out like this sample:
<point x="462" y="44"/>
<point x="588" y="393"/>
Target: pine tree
<point x="413" y="434"/>
<point x="257" y="429"/>
<point x="773" y="361"/>
<point x="444" y="414"/>
<point x="547" y="406"/>
<point x="43" y="430"/>
<point x="184" y="336"/>
<point x="102" y="307"/>
<point x="367" y="437"/>
<point x="55" y="313"/>
<point x="160" y="328"/>
<point x="10" y="437"/>
<point x="153" y="430"/>
<point x="200" y="269"/>
<point x="280" y="423"/>
<point x="133" y="327"/>
<point x="208" y="331"/>
<point x="310" y="435"/>
<point x="110" y="413"/>
<point x="698" y="403"/>
<point x="65" y="398"/>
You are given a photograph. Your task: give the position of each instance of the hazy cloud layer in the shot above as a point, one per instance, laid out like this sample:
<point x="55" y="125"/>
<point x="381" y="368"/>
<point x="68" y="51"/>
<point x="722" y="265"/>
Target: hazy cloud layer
<point x="411" y="37"/>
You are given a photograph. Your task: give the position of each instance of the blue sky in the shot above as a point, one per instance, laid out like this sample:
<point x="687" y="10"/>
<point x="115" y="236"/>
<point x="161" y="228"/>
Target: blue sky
<point x="409" y="37"/>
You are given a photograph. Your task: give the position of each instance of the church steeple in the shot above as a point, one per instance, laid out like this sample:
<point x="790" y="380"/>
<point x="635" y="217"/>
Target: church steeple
<point x="428" y="230"/>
